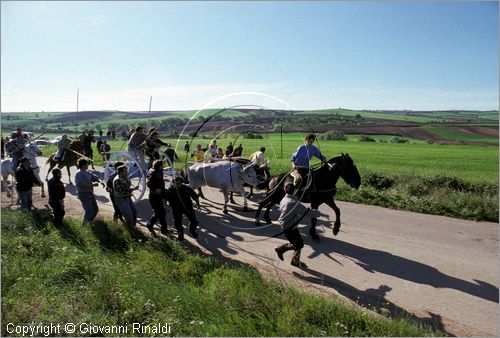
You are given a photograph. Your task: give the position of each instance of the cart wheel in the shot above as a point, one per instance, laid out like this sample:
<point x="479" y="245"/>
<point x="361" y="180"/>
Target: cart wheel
<point x="136" y="174"/>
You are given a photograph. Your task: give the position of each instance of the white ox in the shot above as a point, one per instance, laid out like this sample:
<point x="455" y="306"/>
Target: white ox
<point x="225" y="175"/>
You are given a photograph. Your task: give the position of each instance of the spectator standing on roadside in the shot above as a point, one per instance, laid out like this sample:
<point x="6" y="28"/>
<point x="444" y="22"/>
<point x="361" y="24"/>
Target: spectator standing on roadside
<point x="123" y="197"/>
<point x="156" y="186"/>
<point x="85" y="182"/>
<point x="109" y="188"/>
<point x="56" y="196"/>
<point x="179" y="197"/>
<point x="25" y="179"/>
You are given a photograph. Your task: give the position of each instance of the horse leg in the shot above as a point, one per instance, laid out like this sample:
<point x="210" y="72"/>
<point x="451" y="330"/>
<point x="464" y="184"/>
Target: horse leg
<point x="52" y="165"/>
<point x="251" y="192"/>
<point x="226" y="199"/>
<point x="200" y="193"/>
<point x="245" y="202"/>
<point x="231" y="199"/>
<point x="69" y="175"/>
<point x="336" y="225"/>
<point x="312" y="230"/>
<point x="37" y="175"/>
<point x="267" y="218"/>
<point x="257" y="215"/>
<point x="5" y="185"/>
<point x="267" y="203"/>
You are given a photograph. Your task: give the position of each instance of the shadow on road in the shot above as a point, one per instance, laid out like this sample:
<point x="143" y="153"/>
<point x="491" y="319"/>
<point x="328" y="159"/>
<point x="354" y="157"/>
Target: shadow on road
<point x="372" y="299"/>
<point x="403" y="268"/>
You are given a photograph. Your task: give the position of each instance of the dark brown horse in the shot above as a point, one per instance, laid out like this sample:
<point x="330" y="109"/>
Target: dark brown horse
<point x="321" y="189"/>
<point x="68" y="160"/>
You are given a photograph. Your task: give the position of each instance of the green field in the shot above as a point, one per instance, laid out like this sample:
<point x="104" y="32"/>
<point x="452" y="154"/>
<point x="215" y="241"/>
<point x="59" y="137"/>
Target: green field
<point x="472" y="163"/>
<point x="373" y="115"/>
<point x="459" y="136"/>
<point x="468" y="162"/>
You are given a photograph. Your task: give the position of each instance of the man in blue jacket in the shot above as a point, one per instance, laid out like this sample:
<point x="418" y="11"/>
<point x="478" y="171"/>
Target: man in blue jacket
<point x="300" y="160"/>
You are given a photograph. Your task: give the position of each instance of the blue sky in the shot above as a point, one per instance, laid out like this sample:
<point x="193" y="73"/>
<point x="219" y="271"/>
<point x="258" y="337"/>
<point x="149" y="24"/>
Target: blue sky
<point x="358" y="55"/>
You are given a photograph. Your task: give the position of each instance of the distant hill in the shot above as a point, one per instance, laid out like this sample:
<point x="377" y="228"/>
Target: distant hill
<point x="457" y="125"/>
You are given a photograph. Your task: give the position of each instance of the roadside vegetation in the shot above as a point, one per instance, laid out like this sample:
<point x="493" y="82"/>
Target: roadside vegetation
<point x="437" y="195"/>
<point x="100" y="274"/>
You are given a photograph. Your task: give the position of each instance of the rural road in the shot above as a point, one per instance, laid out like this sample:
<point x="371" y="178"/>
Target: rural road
<point x="431" y="268"/>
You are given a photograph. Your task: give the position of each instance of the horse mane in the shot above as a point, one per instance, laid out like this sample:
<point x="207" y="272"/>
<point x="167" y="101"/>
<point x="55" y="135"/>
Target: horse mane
<point x="75" y="144"/>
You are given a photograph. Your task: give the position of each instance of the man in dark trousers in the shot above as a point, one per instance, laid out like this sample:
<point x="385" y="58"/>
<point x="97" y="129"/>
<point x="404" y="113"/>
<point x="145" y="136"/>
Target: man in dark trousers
<point x="25" y="179"/>
<point x="56" y="196"/>
<point x="109" y="188"/>
<point x="156" y="186"/>
<point x="291" y="212"/>
<point x="179" y="197"/>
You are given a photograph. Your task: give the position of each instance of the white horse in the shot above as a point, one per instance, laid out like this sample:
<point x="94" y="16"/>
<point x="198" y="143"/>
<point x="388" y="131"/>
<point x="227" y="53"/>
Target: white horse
<point x="31" y="151"/>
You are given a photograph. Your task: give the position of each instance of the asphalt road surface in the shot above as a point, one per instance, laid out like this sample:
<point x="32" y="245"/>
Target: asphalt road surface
<point x="435" y="269"/>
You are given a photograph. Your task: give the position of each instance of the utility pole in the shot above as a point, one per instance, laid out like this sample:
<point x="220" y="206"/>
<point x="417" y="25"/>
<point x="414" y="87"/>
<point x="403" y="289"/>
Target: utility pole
<point x="77" y="102"/>
<point x="149" y="111"/>
<point x="281" y="136"/>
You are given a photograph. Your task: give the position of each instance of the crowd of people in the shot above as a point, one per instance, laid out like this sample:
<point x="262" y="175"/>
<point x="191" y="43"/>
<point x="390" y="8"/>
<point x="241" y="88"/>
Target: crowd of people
<point x="178" y="196"/>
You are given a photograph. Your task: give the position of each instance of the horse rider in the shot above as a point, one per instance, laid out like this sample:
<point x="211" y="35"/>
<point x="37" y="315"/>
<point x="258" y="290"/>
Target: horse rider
<point x="136" y="145"/>
<point x="15" y="148"/>
<point x="291" y="212"/>
<point x="62" y="144"/>
<point x="300" y="160"/>
<point x="258" y="157"/>
<point x="260" y="161"/>
<point x="153" y="144"/>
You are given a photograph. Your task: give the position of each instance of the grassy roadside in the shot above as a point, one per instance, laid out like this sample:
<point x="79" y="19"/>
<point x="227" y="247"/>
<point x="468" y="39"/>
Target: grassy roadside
<point x="101" y="275"/>
<point x="435" y="195"/>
